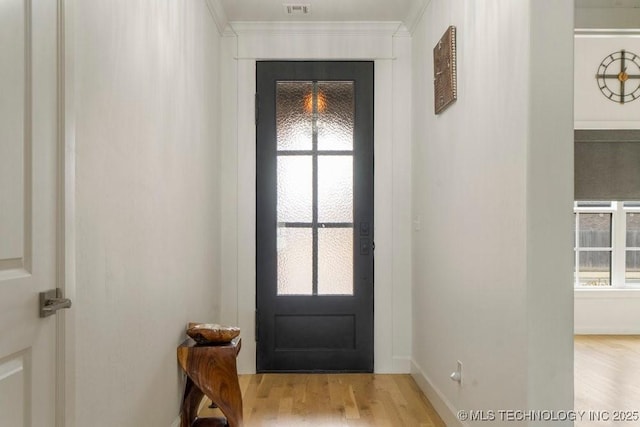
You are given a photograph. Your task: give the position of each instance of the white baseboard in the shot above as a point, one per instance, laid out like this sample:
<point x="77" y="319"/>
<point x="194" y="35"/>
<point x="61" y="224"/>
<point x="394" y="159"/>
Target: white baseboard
<point x="443" y="407"/>
<point x="607" y="312"/>
<point x="176" y="422"/>
<point x="616" y="330"/>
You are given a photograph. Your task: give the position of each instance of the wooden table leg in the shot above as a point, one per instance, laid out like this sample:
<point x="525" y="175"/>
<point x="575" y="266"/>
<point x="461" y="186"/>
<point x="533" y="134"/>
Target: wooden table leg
<point x="190" y="403"/>
<point x="212" y="370"/>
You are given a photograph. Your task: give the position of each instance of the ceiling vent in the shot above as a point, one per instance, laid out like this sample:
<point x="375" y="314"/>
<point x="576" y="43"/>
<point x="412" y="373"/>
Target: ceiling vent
<point x="297" y="9"/>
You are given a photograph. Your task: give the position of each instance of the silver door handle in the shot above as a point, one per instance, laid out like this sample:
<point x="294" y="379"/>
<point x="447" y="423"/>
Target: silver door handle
<point x="52" y="301"/>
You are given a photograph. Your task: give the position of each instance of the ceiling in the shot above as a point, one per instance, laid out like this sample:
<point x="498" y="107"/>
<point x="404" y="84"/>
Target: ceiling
<point x="321" y="10"/>
<point x="355" y="10"/>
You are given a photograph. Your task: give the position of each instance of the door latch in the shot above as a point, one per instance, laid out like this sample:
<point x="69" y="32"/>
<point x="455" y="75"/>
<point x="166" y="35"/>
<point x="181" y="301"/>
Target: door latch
<point x="52" y="301"/>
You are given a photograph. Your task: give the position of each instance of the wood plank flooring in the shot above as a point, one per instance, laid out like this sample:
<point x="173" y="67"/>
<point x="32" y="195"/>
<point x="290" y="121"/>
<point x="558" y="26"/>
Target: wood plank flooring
<point x="607" y="376"/>
<point x="320" y="400"/>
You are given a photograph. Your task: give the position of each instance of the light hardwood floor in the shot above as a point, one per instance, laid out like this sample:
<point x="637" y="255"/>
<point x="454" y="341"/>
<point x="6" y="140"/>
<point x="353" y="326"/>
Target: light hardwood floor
<point x="607" y="376"/>
<point x="325" y="400"/>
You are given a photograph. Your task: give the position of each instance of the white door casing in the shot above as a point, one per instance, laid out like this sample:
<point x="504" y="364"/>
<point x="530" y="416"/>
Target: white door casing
<point x="29" y="197"/>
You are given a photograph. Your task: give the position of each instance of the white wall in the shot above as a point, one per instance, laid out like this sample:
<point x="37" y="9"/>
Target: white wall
<point x="492" y="197"/>
<point x="244" y="44"/>
<point x="607" y="17"/>
<point x="592" y="109"/>
<point x="148" y="201"/>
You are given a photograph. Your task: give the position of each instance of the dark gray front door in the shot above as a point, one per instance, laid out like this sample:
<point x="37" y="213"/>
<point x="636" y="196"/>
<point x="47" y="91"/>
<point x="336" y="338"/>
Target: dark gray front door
<point x="314" y="227"/>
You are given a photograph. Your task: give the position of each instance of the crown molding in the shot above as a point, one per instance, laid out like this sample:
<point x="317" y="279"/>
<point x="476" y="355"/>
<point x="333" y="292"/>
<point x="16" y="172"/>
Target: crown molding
<point x="347" y="28"/>
<point x="402" y="31"/>
<point x="416" y="12"/>
<point x="228" y="32"/>
<point x="219" y="16"/>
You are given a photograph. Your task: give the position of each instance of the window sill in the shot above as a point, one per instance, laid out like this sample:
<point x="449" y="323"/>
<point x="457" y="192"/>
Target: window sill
<point x="607" y="293"/>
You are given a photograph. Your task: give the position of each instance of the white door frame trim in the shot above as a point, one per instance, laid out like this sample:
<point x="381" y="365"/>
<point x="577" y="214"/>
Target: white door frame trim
<point x="388" y="46"/>
<point x="65" y="319"/>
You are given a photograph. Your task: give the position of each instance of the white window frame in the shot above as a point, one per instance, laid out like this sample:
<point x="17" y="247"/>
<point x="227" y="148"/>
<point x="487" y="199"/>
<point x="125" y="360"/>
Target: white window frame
<point x="624" y="211"/>
<point x="618" y="244"/>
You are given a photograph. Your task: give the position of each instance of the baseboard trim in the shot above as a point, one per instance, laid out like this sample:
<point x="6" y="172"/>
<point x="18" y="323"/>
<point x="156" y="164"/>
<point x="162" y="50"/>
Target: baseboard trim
<point x="443" y="407"/>
<point x="606" y="331"/>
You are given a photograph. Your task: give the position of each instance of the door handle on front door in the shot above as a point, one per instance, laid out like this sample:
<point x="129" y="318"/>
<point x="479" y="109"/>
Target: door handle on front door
<point x="52" y="301"/>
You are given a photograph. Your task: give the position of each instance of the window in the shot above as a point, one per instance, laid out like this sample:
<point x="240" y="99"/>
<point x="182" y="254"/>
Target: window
<point x="607" y="245"/>
<point x="315" y="204"/>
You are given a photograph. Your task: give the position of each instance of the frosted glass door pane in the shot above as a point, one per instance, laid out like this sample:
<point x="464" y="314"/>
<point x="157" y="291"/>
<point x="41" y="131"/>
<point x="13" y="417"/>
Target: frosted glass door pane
<point x="295" y="261"/>
<point x="295" y="192"/>
<point x="335" y="261"/>
<point x="335" y="188"/>
<point x="294" y="128"/>
<point x="335" y="115"/>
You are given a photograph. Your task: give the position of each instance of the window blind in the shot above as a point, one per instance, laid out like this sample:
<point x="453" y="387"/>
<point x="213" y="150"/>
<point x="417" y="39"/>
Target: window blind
<point x="607" y="164"/>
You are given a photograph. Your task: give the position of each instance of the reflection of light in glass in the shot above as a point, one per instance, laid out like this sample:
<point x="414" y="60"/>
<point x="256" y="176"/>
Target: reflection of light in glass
<point x="308" y="102"/>
<point x="294" y="128"/>
<point x="335" y="124"/>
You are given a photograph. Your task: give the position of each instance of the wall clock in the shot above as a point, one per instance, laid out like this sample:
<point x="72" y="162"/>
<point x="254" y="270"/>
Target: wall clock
<point x="619" y="76"/>
<point x="444" y="71"/>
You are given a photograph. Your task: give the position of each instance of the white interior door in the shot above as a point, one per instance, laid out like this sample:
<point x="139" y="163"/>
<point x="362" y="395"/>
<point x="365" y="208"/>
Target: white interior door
<point x="28" y="209"/>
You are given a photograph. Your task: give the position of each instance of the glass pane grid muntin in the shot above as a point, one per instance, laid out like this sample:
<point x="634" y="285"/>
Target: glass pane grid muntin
<point x="318" y="225"/>
<point x="315" y="225"/>
<point x="314" y="152"/>
<point x="592" y="204"/>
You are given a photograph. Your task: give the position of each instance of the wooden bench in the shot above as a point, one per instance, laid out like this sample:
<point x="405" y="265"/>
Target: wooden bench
<point x="211" y="371"/>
